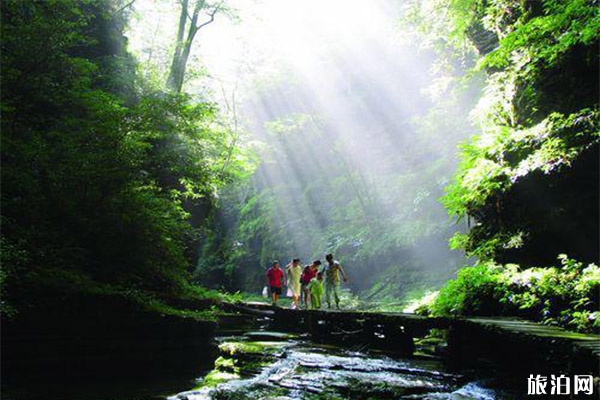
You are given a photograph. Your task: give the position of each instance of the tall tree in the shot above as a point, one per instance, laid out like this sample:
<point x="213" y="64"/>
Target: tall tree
<point x="194" y="16"/>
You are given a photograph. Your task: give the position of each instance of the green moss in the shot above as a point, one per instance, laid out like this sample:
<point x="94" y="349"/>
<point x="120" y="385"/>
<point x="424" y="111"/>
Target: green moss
<point x="216" y="377"/>
<point x="224" y="364"/>
<point x="239" y="360"/>
<point x="249" y="348"/>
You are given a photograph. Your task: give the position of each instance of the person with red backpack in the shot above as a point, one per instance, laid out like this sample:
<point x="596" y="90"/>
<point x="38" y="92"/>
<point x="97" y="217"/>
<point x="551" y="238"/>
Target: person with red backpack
<point x="309" y="272"/>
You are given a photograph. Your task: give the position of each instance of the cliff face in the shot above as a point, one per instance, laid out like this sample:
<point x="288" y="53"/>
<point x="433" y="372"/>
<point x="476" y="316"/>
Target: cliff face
<point x="559" y="212"/>
<point x="530" y="180"/>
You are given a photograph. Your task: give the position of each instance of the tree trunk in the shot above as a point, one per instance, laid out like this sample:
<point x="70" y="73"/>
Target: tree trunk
<point x="183" y="47"/>
<point x="175" y="79"/>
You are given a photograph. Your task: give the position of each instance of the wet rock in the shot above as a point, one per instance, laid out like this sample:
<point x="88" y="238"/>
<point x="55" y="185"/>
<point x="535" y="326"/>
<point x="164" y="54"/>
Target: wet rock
<point x="361" y="389"/>
<point x="270" y="336"/>
<point x="248" y="349"/>
<point x="299" y="370"/>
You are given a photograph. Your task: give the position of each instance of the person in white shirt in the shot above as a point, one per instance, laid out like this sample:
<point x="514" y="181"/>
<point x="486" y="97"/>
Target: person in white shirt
<point x="294" y="270"/>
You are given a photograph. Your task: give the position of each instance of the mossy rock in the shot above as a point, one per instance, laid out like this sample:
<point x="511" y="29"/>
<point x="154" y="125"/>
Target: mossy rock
<point x="240" y="349"/>
<point x="429" y="341"/>
<point x="215" y="377"/>
<point x="225" y="364"/>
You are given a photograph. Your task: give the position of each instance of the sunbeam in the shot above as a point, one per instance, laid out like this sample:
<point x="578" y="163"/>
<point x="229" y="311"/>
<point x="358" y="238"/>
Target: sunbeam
<point x="334" y="94"/>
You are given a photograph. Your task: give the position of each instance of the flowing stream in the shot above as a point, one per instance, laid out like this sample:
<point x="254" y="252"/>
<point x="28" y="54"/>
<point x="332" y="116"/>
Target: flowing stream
<point x="280" y="366"/>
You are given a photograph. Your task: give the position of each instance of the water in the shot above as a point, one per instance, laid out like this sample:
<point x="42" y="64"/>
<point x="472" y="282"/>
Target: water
<point x="300" y="369"/>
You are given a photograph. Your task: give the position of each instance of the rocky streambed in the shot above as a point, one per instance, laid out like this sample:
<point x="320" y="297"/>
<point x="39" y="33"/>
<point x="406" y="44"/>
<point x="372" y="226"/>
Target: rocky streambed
<point x="270" y="365"/>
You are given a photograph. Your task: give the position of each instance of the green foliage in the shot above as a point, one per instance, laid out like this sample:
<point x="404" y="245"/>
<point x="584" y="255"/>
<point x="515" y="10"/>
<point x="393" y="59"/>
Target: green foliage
<point x="526" y="129"/>
<point x="441" y="24"/>
<point x="538" y="115"/>
<point x="542" y="39"/>
<point x="494" y="161"/>
<point x="471" y="293"/>
<point x="567" y="295"/>
<point x="100" y="179"/>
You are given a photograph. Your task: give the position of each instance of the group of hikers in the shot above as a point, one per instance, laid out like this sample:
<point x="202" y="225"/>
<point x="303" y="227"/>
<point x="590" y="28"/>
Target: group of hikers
<point x="307" y="284"/>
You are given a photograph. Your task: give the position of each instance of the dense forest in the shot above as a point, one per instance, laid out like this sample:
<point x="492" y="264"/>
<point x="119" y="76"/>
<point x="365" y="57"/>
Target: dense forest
<point x="103" y="171"/>
<point x="124" y="187"/>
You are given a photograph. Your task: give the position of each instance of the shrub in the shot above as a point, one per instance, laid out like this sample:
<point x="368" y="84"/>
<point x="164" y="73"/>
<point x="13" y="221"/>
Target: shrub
<point x="566" y="295"/>
<point x="471" y="293"/>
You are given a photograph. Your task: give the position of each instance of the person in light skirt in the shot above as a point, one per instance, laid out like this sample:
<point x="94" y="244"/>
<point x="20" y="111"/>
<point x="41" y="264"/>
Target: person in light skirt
<point x="294" y="271"/>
